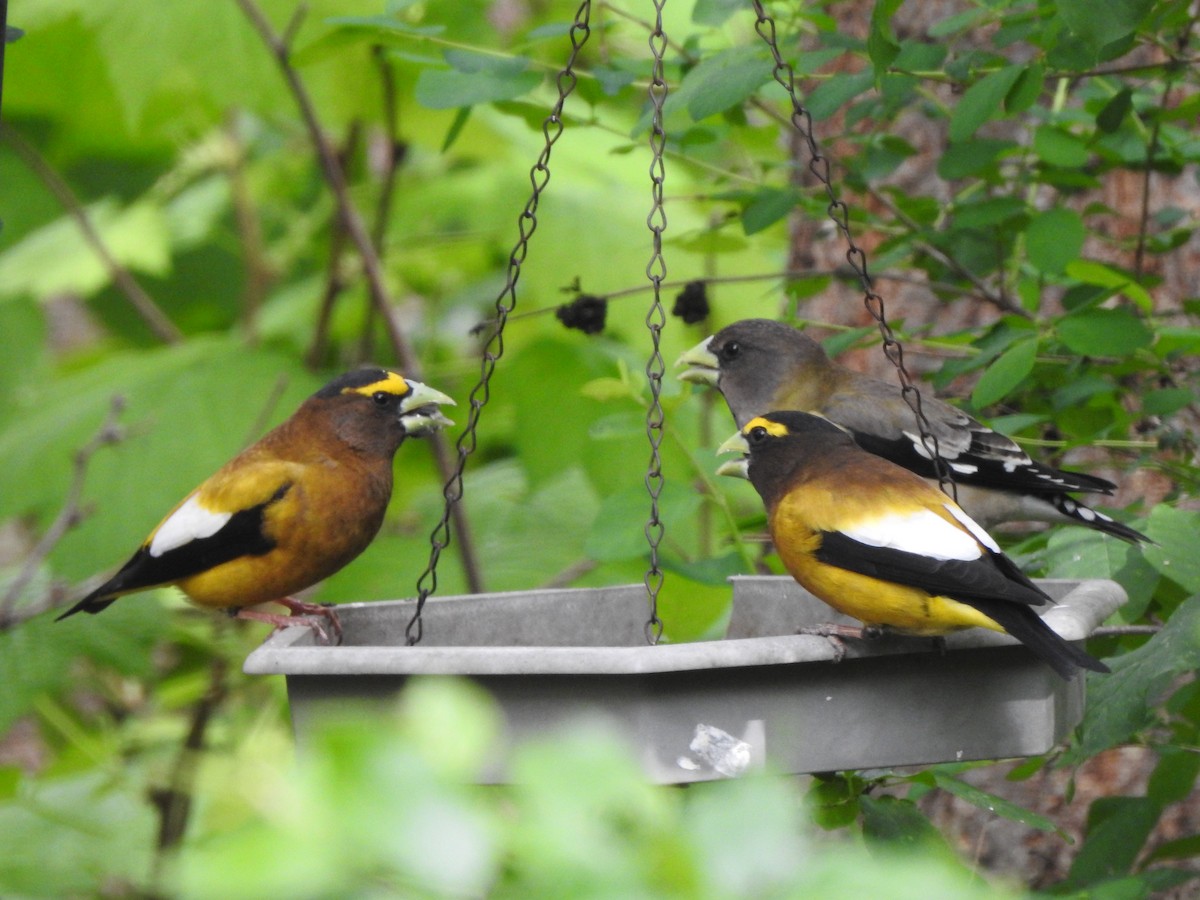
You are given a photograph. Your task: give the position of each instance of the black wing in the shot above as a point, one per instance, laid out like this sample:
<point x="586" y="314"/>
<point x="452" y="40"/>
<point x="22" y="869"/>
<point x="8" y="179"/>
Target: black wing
<point x="242" y="535"/>
<point x="984" y="464"/>
<point x="991" y="584"/>
<point x="991" y="577"/>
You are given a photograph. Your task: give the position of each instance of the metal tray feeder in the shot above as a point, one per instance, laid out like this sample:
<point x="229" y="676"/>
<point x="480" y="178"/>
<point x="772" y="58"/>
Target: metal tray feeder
<point x="710" y="709"/>
<point x="704" y="710"/>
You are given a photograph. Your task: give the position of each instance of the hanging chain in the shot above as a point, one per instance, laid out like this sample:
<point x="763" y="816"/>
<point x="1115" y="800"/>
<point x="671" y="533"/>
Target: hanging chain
<point x="539" y="177"/>
<point x="839" y="213"/>
<point x="656" y="271"/>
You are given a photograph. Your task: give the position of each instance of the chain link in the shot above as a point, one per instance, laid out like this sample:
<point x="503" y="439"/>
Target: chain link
<point x="539" y="177"/>
<point x="656" y="271"/>
<point x="839" y="213"/>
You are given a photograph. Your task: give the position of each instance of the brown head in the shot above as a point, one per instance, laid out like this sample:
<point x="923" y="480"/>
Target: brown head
<point x="372" y="411"/>
<point x="778" y="447"/>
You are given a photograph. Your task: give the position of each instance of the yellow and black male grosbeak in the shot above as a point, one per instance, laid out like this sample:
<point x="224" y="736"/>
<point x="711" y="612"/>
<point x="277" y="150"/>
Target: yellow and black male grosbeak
<point x="881" y="545"/>
<point x="291" y="509"/>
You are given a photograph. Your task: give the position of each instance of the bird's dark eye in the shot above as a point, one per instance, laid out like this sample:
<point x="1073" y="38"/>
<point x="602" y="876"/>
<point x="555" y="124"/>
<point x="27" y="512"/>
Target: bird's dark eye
<point x="730" y="350"/>
<point x="757" y="434"/>
<point x="381" y="398"/>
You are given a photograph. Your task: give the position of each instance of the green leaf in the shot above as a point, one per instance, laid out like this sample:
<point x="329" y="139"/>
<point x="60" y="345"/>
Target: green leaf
<point x="992" y="803"/>
<point x="1026" y="90"/>
<point x="1008" y="370"/>
<point x="1059" y="147"/>
<point x="72" y="836"/>
<point x="1166" y="401"/>
<point x="452" y="88"/>
<point x="1174" y="551"/>
<point x="829" y="96"/>
<point x="900" y="824"/>
<point x="56" y="259"/>
<point x="1104" y="332"/>
<point x="981" y="101"/>
<point x="715" y="12"/>
<point x="1122" y="703"/>
<point x="1120" y="19"/>
<point x="1084" y="553"/>
<point x="834" y="801"/>
<point x="1054" y="238"/>
<point x="1174" y="778"/>
<point x="881" y="42"/>
<point x="767" y="207"/>
<point x="1110" y="117"/>
<point x="1117" y="831"/>
<point x="721" y="81"/>
<point x="1117" y="282"/>
<point x="618" y="531"/>
<point x="970" y="158"/>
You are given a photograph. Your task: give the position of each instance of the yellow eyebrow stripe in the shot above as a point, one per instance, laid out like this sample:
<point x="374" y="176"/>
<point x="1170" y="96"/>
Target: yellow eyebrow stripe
<point x="775" y="429"/>
<point x="393" y="384"/>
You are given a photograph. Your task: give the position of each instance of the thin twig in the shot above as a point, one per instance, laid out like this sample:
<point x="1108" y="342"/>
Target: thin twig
<point x="174" y="802"/>
<point x="394" y="153"/>
<point x="335" y="278"/>
<point x="372" y="269"/>
<point x="71" y="514"/>
<point x="259" y="273"/>
<point x="156" y="320"/>
<point x="844" y="273"/>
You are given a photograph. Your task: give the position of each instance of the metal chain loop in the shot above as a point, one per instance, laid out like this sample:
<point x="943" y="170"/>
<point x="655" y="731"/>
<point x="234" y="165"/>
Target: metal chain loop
<point x="656" y="271"/>
<point x="539" y="177"/>
<point x="839" y="213"/>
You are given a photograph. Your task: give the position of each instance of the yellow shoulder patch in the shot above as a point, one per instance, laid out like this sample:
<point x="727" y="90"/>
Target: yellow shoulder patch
<point x="775" y="429"/>
<point x="392" y="384"/>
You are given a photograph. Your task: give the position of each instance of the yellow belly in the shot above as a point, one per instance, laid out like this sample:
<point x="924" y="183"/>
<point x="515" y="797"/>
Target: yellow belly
<point x="875" y="602"/>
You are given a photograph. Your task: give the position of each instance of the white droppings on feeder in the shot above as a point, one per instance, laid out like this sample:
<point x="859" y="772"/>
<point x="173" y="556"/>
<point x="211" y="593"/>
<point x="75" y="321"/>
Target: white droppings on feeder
<point x="720" y="750"/>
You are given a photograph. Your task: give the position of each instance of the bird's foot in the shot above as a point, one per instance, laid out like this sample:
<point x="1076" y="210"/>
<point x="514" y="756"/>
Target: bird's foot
<point x="315" y="611"/>
<point x="316" y="623"/>
<point x="838" y="634"/>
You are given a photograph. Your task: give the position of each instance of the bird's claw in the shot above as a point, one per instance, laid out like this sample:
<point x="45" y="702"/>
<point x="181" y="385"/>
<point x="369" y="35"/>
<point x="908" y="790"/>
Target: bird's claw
<point x="837" y="635"/>
<point x="315" y="616"/>
<point x="313" y="613"/>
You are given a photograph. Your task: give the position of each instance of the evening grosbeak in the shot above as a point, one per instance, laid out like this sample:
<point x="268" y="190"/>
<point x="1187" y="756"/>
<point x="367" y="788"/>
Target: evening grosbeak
<point x="760" y="365"/>
<point x="882" y="545"/>
<point x="291" y="509"/>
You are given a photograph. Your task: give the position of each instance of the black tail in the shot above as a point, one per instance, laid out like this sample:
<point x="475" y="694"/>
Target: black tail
<point x="1027" y="627"/>
<point x="1092" y="518"/>
<point x="92" y="604"/>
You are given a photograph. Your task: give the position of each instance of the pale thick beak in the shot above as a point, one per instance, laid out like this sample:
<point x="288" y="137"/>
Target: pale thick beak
<point x="737" y="468"/>
<point x="419" y="410"/>
<point x="703" y="367"/>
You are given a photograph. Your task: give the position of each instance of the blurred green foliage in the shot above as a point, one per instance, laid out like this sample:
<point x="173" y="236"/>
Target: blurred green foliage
<point x="182" y="144"/>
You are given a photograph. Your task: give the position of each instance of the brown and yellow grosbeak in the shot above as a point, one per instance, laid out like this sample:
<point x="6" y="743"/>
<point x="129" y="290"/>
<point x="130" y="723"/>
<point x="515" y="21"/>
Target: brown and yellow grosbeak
<point x="881" y="545"/>
<point x="760" y="365"/>
<point x="291" y="509"/>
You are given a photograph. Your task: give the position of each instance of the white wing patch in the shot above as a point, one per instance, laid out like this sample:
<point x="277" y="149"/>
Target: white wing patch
<point x="922" y="532"/>
<point x="972" y="526"/>
<point x="191" y="522"/>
